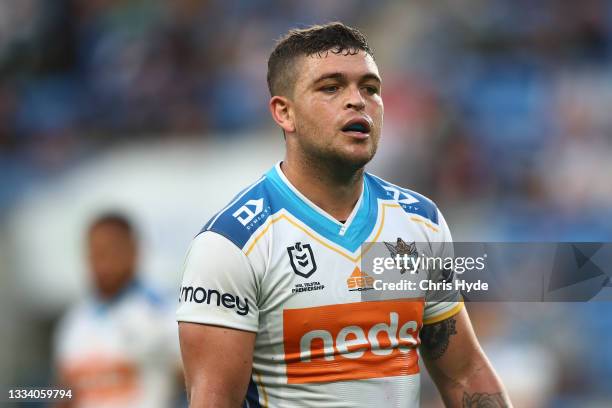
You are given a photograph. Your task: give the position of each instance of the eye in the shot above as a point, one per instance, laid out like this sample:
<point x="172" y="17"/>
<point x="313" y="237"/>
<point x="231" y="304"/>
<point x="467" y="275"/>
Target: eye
<point x="330" y="89"/>
<point x="372" y="90"/>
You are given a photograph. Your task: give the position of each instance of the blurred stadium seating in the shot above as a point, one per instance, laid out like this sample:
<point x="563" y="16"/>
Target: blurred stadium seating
<point x="497" y="110"/>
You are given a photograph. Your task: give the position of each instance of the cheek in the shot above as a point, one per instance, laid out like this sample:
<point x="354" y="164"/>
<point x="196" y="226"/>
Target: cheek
<point x="315" y="115"/>
<point x="377" y="106"/>
<point x="377" y="112"/>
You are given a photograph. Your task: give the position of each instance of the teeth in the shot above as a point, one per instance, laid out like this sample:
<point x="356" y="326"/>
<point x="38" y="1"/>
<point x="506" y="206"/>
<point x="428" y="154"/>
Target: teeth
<point x="356" y="127"/>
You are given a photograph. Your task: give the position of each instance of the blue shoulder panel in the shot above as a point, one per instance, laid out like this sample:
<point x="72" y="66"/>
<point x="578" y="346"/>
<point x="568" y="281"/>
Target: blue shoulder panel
<point x="239" y="220"/>
<point x="243" y="215"/>
<point x="410" y="201"/>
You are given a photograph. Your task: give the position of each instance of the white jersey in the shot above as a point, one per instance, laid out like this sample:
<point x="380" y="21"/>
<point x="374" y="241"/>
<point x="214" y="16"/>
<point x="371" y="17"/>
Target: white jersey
<point x="120" y="353"/>
<point x="273" y="263"/>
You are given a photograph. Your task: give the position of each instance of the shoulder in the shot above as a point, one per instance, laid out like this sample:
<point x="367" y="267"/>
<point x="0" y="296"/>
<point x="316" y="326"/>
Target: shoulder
<point x="80" y="310"/>
<point x="241" y="217"/>
<point x="146" y="295"/>
<point x="410" y="201"/>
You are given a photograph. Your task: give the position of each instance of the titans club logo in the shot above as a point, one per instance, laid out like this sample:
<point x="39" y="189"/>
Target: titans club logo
<point x="402" y="248"/>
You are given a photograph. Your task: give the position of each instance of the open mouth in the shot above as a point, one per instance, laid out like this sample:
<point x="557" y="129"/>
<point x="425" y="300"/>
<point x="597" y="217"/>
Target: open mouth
<point x="357" y="125"/>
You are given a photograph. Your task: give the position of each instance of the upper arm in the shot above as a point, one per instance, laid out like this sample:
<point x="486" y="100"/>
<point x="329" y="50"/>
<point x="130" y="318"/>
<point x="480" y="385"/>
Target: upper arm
<point x="447" y="346"/>
<point x="217" y="363"/>
<point x="218" y="320"/>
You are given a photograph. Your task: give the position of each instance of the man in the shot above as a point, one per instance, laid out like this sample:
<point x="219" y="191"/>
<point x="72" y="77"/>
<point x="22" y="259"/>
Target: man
<point x="117" y="348"/>
<point x="268" y="315"/>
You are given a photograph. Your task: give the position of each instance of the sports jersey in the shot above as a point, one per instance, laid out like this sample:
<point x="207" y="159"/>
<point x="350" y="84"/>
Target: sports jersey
<point x="119" y="353"/>
<point x="273" y="263"/>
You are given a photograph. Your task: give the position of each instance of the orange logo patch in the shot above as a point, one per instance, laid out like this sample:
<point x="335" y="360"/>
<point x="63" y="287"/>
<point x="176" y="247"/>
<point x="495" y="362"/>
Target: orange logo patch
<point x="359" y="280"/>
<point x="352" y="341"/>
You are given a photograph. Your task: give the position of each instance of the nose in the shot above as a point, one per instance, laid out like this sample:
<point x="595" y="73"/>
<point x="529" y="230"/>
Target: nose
<point x="355" y="99"/>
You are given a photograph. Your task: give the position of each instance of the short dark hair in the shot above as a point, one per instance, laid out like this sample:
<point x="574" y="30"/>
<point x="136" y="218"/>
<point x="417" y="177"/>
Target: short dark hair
<point x="115" y="218"/>
<point x="332" y="37"/>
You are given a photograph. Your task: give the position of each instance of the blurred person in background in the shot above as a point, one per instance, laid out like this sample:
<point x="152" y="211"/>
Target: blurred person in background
<point x="119" y="347"/>
<point x="499" y="113"/>
<point x="248" y="331"/>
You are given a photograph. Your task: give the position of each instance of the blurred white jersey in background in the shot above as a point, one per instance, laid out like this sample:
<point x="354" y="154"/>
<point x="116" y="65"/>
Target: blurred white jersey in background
<point x="120" y="353"/>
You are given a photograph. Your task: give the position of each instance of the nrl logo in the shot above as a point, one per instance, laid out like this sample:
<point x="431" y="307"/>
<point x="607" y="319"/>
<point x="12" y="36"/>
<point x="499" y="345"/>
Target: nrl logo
<point x="302" y="259"/>
<point x="401" y="248"/>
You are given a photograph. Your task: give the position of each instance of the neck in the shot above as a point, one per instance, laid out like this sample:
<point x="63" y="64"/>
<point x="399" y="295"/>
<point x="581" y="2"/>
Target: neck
<point x="107" y="293"/>
<point x="333" y="188"/>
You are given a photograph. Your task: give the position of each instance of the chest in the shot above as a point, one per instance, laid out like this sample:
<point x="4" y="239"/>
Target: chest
<point x="307" y="269"/>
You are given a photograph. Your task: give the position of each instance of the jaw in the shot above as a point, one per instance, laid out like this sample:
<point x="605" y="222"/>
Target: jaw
<point x="354" y="152"/>
<point x="340" y="161"/>
<point x="339" y="149"/>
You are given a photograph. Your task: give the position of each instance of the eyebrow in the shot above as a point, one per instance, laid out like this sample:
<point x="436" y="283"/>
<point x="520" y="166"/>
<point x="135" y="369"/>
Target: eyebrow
<point x="341" y="76"/>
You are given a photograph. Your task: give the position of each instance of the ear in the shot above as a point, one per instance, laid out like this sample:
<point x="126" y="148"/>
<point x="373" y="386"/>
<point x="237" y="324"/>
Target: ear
<point x="280" y="108"/>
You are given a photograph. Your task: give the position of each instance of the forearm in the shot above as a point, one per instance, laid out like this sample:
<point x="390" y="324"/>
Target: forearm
<point x="459" y="367"/>
<point x="475" y="385"/>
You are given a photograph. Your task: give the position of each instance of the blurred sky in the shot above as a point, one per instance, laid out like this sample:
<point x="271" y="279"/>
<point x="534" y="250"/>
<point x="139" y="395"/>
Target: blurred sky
<point x="497" y="110"/>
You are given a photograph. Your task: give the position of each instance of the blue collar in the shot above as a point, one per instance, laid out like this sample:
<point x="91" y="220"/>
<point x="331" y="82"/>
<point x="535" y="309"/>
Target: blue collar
<point x="349" y="235"/>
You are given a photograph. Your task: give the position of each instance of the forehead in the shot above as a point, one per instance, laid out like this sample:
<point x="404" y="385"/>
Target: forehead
<point x="105" y="228"/>
<point x="312" y="67"/>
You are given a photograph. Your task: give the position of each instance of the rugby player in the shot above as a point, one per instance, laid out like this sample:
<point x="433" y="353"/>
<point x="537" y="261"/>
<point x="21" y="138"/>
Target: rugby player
<point x="271" y="311"/>
<point x="118" y="346"/>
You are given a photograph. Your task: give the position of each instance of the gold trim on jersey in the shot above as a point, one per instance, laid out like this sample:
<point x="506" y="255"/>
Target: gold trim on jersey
<point x="428" y="225"/>
<point x="263" y="389"/>
<point x="320" y="240"/>
<point x="323" y="242"/>
<point x="435" y="319"/>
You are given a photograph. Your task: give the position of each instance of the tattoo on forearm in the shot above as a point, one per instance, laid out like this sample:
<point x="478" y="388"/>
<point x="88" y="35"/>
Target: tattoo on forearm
<point x="484" y="400"/>
<point x="436" y="337"/>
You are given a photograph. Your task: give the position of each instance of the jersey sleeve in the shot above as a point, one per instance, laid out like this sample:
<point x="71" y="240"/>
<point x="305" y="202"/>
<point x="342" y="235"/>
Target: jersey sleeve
<point x="219" y="286"/>
<point x="442" y="304"/>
